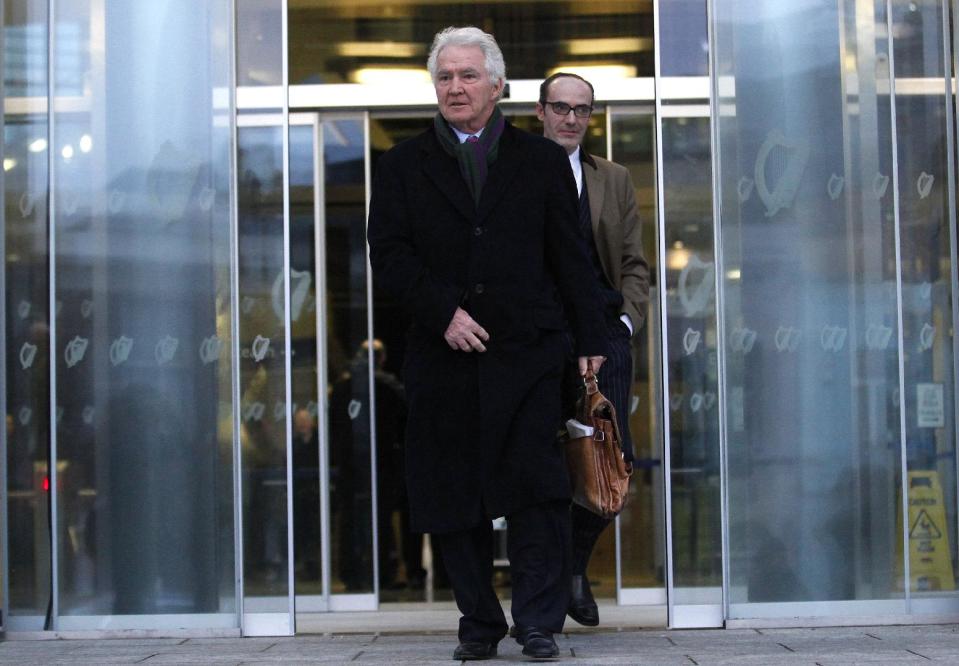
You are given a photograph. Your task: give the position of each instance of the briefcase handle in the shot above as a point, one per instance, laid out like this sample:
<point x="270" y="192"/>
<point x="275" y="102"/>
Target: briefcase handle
<point x="590" y="381"/>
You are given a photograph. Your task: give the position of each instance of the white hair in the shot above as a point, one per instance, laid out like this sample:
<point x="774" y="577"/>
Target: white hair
<point x="469" y="36"/>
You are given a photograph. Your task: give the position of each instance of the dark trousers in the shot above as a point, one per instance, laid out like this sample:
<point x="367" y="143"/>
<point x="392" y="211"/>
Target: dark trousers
<point x="538" y="550"/>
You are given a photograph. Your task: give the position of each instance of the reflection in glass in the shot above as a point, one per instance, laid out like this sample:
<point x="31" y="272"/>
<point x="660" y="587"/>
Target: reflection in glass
<point x="388" y="42"/>
<point x="692" y="364"/>
<point x="141" y="196"/>
<point x="262" y="368"/>
<point x="28" y="324"/>
<point x="642" y="536"/>
<point x="928" y="229"/>
<point x="348" y="349"/>
<point x="809" y="247"/>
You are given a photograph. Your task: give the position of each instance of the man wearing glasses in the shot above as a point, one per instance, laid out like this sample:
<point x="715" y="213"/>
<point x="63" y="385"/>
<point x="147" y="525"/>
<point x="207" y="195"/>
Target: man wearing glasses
<point x="610" y="221"/>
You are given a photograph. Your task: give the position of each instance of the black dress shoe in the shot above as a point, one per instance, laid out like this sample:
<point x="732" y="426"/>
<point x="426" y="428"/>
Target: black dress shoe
<point x="537" y="643"/>
<point x="582" y="606"/>
<point x="474" y="651"/>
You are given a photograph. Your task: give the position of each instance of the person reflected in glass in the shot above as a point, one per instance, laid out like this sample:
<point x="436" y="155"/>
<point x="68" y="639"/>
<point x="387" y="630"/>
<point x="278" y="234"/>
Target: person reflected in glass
<point x="473" y="226"/>
<point x="306" y="495"/>
<point x="609" y="220"/>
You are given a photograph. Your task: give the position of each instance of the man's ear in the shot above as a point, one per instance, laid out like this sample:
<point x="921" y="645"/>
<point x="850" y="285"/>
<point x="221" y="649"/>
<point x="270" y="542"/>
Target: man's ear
<point x="540" y="112"/>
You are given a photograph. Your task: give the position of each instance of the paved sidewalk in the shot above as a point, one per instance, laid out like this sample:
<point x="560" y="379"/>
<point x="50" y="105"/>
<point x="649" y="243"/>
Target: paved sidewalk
<point x="827" y="647"/>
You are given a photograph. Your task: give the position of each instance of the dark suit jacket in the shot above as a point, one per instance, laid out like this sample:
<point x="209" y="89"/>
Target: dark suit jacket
<point x="617" y="233"/>
<point x="481" y="427"/>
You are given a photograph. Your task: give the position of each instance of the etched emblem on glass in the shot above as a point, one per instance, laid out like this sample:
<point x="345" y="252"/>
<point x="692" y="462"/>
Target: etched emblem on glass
<point x="784" y="191"/>
<point x="279" y="410"/>
<point x="880" y="182"/>
<point x="254" y="411"/>
<point x="28" y="352"/>
<point x="311" y="408"/>
<point x="207" y="196"/>
<point x="709" y="400"/>
<point x="744" y="189"/>
<point x="878" y="336"/>
<point x="23" y="309"/>
<point x="354" y="408"/>
<point x="69" y="203"/>
<point x="925" y="290"/>
<point x="75" y="351"/>
<point x="675" y="401"/>
<point x="924" y="184"/>
<point x="88" y="414"/>
<point x="834" y="186"/>
<point x="696" y="401"/>
<point x="742" y="339"/>
<point x="86" y="308"/>
<point x="246" y="305"/>
<point x="696" y="285"/>
<point x="832" y="338"/>
<point x="165" y="349"/>
<point x="115" y="201"/>
<point x="259" y="348"/>
<point x="25" y="204"/>
<point x="300" y="282"/>
<point x="691" y="340"/>
<point x="120" y="350"/>
<point x="926" y="337"/>
<point x="787" y="338"/>
<point x="210" y="349"/>
<point x="24" y="415"/>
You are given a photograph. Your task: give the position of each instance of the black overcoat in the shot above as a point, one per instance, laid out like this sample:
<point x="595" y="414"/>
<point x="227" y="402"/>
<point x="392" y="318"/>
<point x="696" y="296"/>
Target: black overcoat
<point x="480" y="439"/>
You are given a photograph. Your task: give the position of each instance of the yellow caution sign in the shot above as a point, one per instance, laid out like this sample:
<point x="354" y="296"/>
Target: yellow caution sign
<point x="930" y="558"/>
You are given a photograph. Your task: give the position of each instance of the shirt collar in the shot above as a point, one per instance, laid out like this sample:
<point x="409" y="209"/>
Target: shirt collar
<point x="463" y="136"/>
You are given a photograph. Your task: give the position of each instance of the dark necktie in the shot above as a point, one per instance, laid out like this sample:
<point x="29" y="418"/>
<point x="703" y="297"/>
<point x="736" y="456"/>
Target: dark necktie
<point x="472" y="138"/>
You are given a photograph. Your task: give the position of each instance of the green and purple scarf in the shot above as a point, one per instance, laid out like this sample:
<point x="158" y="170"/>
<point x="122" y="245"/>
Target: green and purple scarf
<point x="474" y="158"/>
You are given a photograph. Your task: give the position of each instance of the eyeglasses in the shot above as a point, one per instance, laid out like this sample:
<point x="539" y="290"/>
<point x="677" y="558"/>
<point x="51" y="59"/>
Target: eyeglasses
<point x="563" y="109"/>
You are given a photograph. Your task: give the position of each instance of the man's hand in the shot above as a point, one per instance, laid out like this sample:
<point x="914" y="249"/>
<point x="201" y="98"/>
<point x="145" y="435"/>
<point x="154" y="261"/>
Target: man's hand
<point x="593" y="362"/>
<point x="464" y="333"/>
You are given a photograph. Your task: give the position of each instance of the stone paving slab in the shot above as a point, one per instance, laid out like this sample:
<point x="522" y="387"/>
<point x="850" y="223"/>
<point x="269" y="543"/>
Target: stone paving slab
<point x="747" y="647"/>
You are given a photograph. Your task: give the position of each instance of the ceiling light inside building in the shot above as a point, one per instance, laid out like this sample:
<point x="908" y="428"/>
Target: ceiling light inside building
<point x="395" y="77"/>
<point x="9" y="163"/>
<point x="607" y="45"/>
<point x="380" y="49"/>
<point x="597" y="73"/>
<point x="86" y="143"/>
<point x="37" y="146"/>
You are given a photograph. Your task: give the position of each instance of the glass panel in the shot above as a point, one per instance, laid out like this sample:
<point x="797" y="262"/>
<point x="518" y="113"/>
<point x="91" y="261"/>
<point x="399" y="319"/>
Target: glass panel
<point x="642" y="535"/>
<point x="142" y="195"/>
<point x="349" y="353"/>
<point x="684" y="48"/>
<point x="692" y="364"/>
<point x="927" y="230"/>
<point x="810" y="312"/>
<point x="27" y="321"/>
<point x="262" y="368"/>
<point x="307" y="533"/>
<point x="387" y="43"/>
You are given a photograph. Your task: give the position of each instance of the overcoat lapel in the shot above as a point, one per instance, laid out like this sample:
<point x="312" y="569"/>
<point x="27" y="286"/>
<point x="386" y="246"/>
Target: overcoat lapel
<point x="444" y="171"/>
<point x="502" y="173"/>
<point x="597" y="189"/>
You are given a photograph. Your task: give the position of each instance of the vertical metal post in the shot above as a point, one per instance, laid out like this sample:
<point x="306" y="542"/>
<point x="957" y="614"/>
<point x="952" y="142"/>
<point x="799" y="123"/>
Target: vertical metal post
<point x="948" y="55"/>
<point x="235" y="328"/>
<point x="904" y="481"/>
<point x="371" y="360"/>
<point x="54" y="608"/>
<point x="663" y="317"/>
<point x="4" y="530"/>
<point x="721" y="400"/>
<point x="287" y="324"/>
<point x="322" y="362"/>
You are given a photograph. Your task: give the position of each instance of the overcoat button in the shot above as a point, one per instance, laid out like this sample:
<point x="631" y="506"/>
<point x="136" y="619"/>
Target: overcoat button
<point x="478" y="288"/>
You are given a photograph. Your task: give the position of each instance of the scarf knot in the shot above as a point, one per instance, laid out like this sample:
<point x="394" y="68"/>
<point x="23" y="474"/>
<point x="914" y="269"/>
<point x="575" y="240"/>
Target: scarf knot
<point x="473" y="156"/>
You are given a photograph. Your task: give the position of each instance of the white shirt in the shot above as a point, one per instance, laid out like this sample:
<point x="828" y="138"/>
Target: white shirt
<point x="463" y="136"/>
<point x="577" y="165"/>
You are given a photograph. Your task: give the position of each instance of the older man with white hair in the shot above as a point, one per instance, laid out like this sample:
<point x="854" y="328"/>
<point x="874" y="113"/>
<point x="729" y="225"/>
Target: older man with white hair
<point x="474" y="226"/>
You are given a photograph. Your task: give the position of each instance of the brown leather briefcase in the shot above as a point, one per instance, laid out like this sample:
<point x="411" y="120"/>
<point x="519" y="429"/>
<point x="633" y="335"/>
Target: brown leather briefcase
<point x="598" y="474"/>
